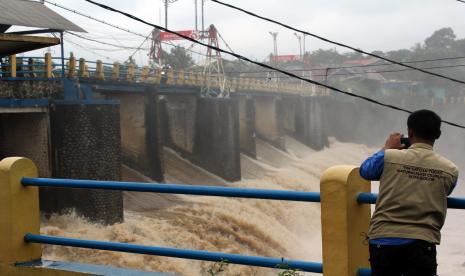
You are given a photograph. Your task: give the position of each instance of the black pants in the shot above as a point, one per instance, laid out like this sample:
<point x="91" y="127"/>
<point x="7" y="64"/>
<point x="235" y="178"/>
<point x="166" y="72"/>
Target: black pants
<point x="414" y="259"/>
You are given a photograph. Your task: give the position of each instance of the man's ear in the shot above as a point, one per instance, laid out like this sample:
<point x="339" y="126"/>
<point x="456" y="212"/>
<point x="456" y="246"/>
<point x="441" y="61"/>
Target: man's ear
<point x="410" y="133"/>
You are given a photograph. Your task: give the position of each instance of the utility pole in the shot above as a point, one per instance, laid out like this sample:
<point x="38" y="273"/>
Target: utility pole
<point x="275" y="45"/>
<point x="166" y="14"/>
<point x="196" y="28"/>
<point x="203" y="16"/>
<point x="299" y="38"/>
<point x="304" y="38"/>
<point x="275" y="53"/>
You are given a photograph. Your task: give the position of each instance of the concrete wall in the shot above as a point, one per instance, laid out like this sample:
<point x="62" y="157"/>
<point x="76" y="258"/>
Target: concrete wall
<point x="247" y="126"/>
<point x="26" y="135"/>
<point x="180" y="117"/>
<point x="310" y="122"/>
<point x="216" y="144"/>
<point x="204" y="131"/>
<point x="141" y="133"/>
<point x="268" y="123"/>
<point x="288" y="109"/>
<point x="31" y="89"/>
<point x="86" y="145"/>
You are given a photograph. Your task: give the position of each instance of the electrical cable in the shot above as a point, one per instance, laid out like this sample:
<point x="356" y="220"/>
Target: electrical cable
<point x="113" y="25"/>
<point x="337" y="43"/>
<point x="262" y="64"/>
<point x="359" y="66"/>
<point x="106" y="43"/>
<point x="172" y="44"/>
<point x="140" y="46"/>
<point x="224" y="41"/>
<point x="93" y="18"/>
<point x="358" y="73"/>
<point x="86" y="49"/>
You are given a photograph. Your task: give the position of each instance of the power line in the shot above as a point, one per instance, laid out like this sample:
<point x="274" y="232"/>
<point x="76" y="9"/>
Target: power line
<point x="93" y="18"/>
<point x="357" y="66"/>
<point x="114" y="26"/>
<point x="106" y="43"/>
<point x="137" y="50"/>
<point x="355" y="73"/>
<point x="262" y="64"/>
<point x="359" y="73"/>
<point x="389" y="64"/>
<point x="338" y="43"/>
<point x="86" y="49"/>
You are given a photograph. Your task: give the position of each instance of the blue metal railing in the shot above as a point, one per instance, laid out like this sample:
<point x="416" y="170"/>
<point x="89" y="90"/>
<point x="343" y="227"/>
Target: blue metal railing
<point x="175" y="252"/>
<point x="364" y="272"/>
<point x="179" y="253"/>
<point x="175" y="189"/>
<point x="452" y="202"/>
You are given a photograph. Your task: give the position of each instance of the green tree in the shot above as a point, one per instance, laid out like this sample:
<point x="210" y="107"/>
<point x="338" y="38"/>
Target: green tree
<point x="354" y="55"/>
<point x="178" y="58"/>
<point x="442" y="38"/>
<point x="324" y="57"/>
<point x="378" y="53"/>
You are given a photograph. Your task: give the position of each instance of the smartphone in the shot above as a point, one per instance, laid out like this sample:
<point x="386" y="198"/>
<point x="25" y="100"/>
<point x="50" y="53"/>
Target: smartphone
<point x="405" y="141"/>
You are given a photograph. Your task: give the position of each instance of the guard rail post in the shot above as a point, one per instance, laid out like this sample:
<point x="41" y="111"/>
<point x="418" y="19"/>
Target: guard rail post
<point x="115" y="71"/>
<point x="83" y="68"/>
<point x="48" y="65"/>
<point x="72" y="66"/>
<point x="131" y="72"/>
<point x="343" y="221"/>
<point x="19" y="213"/>
<point x="12" y="62"/>
<point x="144" y="73"/>
<point x="100" y="73"/>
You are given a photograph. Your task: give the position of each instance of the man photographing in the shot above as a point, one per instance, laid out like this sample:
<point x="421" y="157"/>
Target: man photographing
<point x="412" y="201"/>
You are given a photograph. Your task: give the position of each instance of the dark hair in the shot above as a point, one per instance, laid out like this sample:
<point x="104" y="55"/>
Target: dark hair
<point x="425" y="124"/>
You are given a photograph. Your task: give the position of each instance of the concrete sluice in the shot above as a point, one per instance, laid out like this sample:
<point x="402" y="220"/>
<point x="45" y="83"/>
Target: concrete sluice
<point x="244" y="226"/>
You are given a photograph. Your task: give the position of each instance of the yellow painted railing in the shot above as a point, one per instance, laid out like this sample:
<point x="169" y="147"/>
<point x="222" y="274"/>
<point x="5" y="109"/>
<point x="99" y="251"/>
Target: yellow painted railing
<point x="46" y="68"/>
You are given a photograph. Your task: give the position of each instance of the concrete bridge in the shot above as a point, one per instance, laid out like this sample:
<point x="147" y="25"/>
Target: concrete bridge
<point x="102" y="115"/>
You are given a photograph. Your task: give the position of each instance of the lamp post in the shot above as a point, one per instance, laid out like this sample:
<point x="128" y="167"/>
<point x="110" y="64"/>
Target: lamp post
<point x="299" y="38"/>
<point x="304" y="51"/>
<point x="275" y="45"/>
<point x="166" y="14"/>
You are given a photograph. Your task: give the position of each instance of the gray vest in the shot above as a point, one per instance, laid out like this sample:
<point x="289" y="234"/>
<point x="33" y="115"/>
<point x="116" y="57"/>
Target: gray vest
<point x="412" y="200"/>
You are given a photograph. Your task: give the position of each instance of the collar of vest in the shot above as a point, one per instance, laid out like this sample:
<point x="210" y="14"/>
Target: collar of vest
<point x="422" y="146"/>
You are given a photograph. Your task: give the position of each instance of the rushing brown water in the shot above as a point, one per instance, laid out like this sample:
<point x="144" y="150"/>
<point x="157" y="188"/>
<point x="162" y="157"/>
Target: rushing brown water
<point x="244" y="226"/>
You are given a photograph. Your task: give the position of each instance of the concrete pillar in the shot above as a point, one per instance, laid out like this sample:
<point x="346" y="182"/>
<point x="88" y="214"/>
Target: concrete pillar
<point x="288" y="113"/>
<point x="343" y="221"/>
<point x="179" y="117"/>
<point x="311" y="123"/>
<point x="204" y="131"/>
<point x="27" y="135"/>
<point x="216" y="144"/>
<point x="141" y="140"/>
<point x="247" y="126"/>
<point x="86" y="145"/>
<point x="268" y="122"/>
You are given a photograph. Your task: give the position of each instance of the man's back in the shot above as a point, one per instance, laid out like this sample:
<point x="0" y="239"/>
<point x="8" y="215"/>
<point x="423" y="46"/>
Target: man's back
<point x="412" y="200"/>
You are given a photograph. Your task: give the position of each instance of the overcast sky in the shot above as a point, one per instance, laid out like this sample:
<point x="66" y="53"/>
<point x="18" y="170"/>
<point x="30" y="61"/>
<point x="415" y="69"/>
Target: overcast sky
<point x="367" y="24"/>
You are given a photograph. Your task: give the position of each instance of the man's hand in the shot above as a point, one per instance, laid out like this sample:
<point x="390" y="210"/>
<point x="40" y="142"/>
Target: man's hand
<point x="393" y="142"/>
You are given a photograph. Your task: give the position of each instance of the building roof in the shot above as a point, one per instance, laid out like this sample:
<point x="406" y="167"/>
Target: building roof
<point x="33" y="14"/>
<point x="363" y="61"/>
<point x="11" y="44"/>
